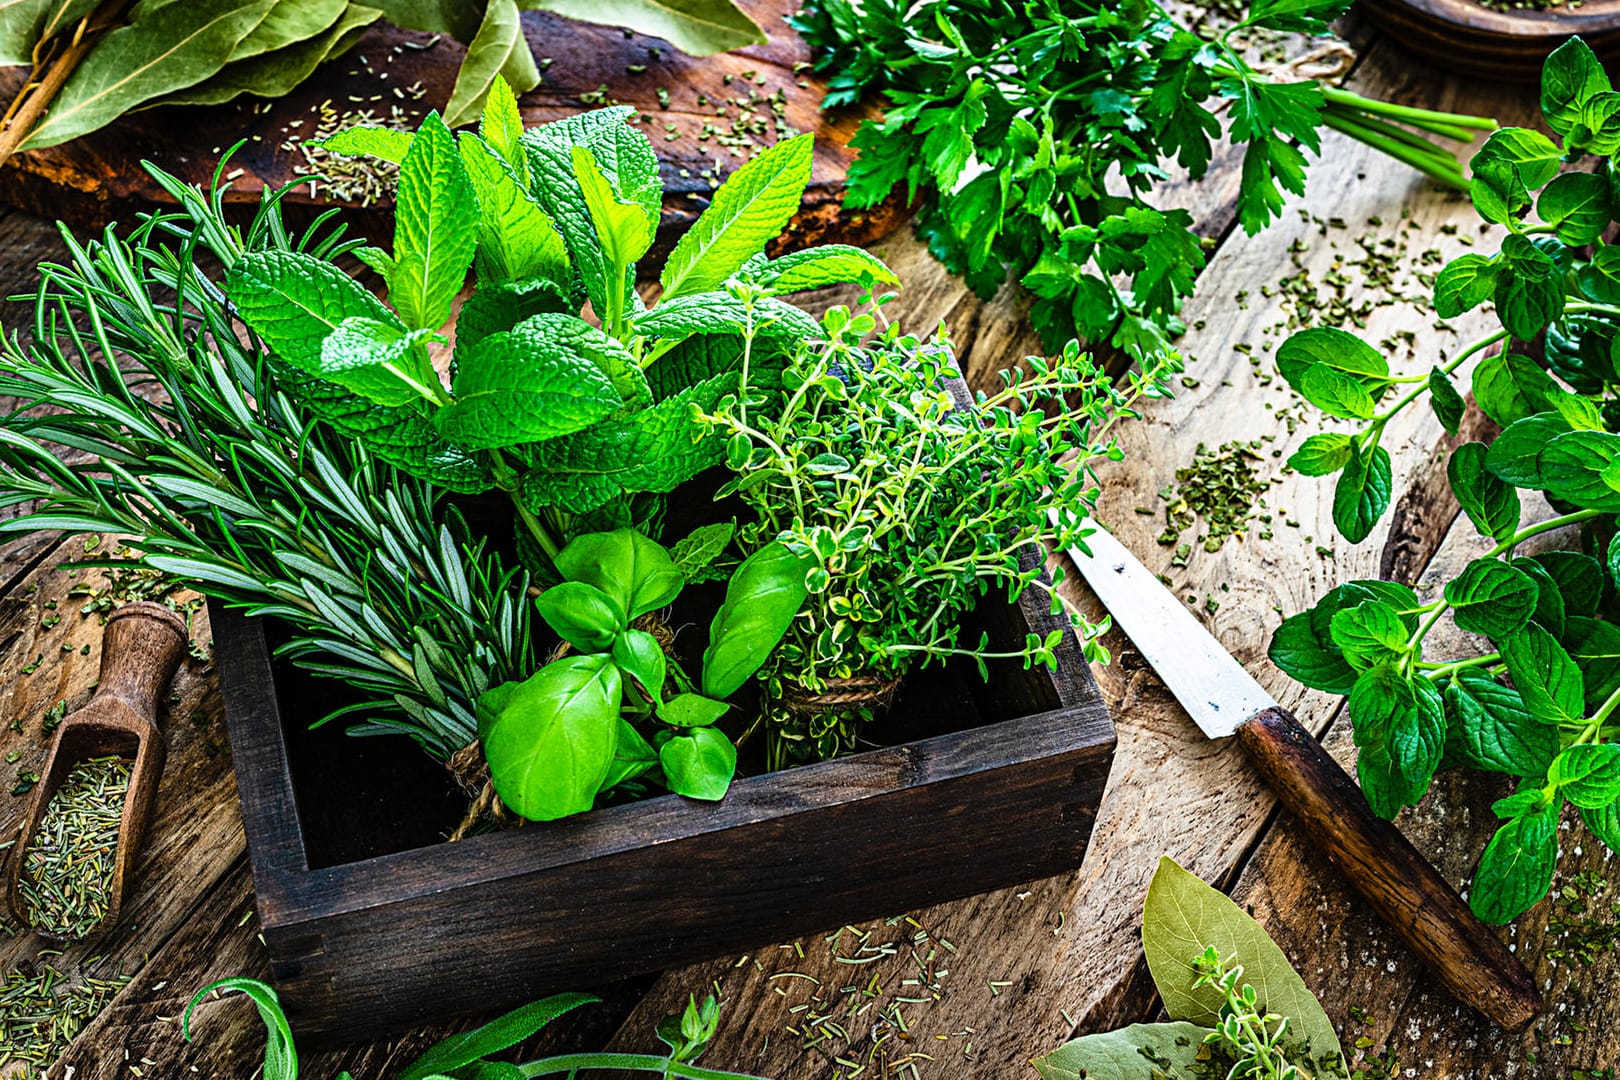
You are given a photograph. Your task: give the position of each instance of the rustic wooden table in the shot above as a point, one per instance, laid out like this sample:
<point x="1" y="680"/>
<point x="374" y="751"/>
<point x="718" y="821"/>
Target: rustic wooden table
<point x="974" y="989"/>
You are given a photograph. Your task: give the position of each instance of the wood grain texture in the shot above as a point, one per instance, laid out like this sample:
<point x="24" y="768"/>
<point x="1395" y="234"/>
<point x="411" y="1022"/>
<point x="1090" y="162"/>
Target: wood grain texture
<point x="1466" y="37"/>
<point x="99" y="177"/>
<point x="1383" y="867"/>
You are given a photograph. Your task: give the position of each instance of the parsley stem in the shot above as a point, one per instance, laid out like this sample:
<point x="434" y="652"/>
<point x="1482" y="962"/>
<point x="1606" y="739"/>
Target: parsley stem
<point x="1407" y="113"/>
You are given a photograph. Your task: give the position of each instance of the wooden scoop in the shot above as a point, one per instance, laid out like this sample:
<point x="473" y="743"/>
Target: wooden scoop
<point x="140" y="650"/>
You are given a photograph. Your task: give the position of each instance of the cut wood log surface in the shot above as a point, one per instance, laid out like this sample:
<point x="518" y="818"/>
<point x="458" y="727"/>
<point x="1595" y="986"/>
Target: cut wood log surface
<point x="972" y="990"/>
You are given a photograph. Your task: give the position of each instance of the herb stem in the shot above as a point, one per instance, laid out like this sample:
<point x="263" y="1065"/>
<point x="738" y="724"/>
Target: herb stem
<point x="680" y="1070"/>
<point x="1406" y="113"/>
<point x="1446" y="173"/>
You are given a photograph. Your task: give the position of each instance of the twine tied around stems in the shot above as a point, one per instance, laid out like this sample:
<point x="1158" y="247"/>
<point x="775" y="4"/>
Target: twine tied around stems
<point x="864" y="691"/>
<point x="471" y="772"/>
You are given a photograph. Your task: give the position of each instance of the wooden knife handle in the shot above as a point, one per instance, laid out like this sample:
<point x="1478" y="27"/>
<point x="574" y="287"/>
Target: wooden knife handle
<point x="1388" y="871"/>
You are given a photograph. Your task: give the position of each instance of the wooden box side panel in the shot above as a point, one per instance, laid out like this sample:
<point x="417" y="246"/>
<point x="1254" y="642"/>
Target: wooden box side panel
<point x="689" y="898"/>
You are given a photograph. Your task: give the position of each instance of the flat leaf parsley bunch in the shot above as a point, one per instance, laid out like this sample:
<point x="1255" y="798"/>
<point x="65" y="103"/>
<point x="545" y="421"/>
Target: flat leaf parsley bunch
<point x="1540" y="704"/>
<point x="912" y="506"/>
<point x="1038" y="129"/>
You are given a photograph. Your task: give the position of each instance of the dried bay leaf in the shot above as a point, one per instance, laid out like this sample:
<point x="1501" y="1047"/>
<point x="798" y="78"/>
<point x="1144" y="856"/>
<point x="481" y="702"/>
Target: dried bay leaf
<point x="1140" y="1052"/>
<point x="499" y="48"/>
<point x="24" y="22"/>
<point x="279" y="72"/>
<point x="1181" y="918"/>
<point x="178" y="45"/>
<point x="287" y="23"/>
<point x="696" y="27"/>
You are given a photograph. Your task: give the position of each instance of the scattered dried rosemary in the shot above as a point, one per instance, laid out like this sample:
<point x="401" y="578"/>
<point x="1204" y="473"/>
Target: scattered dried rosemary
<point x="67" y="874"/>
<point x="43" y="1010"/>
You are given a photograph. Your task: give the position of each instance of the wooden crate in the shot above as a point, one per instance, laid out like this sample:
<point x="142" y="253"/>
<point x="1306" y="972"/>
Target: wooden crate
<point x="375" y="924"/>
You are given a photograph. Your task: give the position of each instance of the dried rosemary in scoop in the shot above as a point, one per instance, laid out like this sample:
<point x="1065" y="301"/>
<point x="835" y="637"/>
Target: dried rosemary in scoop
<point x="68" y="872"/>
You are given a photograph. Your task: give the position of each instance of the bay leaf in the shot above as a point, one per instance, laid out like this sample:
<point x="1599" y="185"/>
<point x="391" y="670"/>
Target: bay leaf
<point x="179" y="45"/>
<point x="277" y="73"/>
<point x="1181" y="918"/>
<point x="287" y="23"/>
<point x="499" y="48"/>
<point x="458" y="18"/>
<point x="696" y="27"/>
<point x="25" y="23"/>
<point x="1173" y="1051"/>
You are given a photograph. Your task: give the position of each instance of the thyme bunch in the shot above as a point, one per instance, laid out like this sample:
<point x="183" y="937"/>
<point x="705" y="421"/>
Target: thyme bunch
<point x="913" y="505"/>
<point x="1252" y="1033"/>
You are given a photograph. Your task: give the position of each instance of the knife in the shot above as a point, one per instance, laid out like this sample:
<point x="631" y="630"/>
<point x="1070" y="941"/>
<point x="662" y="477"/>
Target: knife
<point x="1379" y="863"/>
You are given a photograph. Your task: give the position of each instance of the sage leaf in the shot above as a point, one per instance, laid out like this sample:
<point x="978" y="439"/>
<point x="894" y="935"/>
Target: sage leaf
<point x="550" y="739"/>
<point x="749" y="210"/>
<point x="525" y="384"/>
<point x="435" y="227"/>
<point x="696" y="27"/>
<point x="1181" y="918"/>
<point x="175" y="47"/>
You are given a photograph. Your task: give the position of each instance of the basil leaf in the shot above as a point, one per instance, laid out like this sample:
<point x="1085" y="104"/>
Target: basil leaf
<point x="528" y="383"/>
<point x="1492" y="598"/>
<point x="1545" y="675"/>
<point x="633" y="757"/>
<point x="582" y="615"/>
<point x="691" y="710"/>
<point x="640" y="656"/>
<point x="763" y="597"/>
<point x="435" y="227"/>
<point x="1588" y="774"/>
<point x="749" y="210"/>
<point x="1490" y="504"/>
<point x="1321" y="454"/>
<point x="1494" y="729"/>
<point x="699" y="763"/>
<point x="1517" y="868"/>
<point x="551" y="739"/>
<point x="1363" y="493"/>
<point x="628" y="566"/>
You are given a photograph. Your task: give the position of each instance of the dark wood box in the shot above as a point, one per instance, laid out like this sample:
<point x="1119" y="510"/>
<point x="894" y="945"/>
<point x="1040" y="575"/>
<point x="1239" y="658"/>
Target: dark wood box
<point x="373" y="925"/>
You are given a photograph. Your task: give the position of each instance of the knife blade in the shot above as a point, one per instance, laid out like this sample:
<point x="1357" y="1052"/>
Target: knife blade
<point x="1224" y="700"/>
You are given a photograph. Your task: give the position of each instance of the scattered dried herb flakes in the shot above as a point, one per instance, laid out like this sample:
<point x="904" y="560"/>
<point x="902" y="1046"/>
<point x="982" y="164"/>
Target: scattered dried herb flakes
<point x="1585" y="921"/>
<point x="67" y="874"/>
<point x="42" y="1010"/>
<point x="1222" y="488"/>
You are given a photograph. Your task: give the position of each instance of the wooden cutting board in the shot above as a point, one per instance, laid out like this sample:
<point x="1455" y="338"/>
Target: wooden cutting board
<point x="716" y="107"/>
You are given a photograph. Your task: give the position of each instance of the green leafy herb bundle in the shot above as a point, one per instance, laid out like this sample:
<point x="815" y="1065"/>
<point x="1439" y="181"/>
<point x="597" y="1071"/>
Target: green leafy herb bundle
<point x="468" y="1056"/>
<point x="1040" y="129"/>
<point x="911" y="505"/>
<point x="1540" y="705"/>
<point x="1238" y="1009"/>
<point x="96" y="60"/>
<point x="285" y="443"/>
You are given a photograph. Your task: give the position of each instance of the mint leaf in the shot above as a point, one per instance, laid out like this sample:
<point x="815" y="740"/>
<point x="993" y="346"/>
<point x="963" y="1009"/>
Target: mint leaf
<point x="549" y="148"/>
<point x="1492" y="598"/>
<point x="293" y="301"/>
<point x="1447" y="403"/>
<point x="1579" y="578"/>
<point x="1400" y="728"/>
<point x="1588" y="774"/>
<point x="1599" y="279"/>
<point x="749" y="210"/>
<point x="1605" y="825"/>
<point x="378" y="361"/>
<point x="1595" y="648"/>
<point x="1297" y="16"/>
<point x="721" y="313"/>
<point x="386" y="144"/>
<point x="1510" y="387"/>
<point x="1549" y="601"/>
<point x="501" y="127"/>
<point x="1333" y="348"/>
<point x="1303" y="648"/>
<point x="1463" y="284"/>
<point x="1545" y="675"/>
<point x="1517" y="868"/>
<point x="435" y="228"/>
<point x="494" y="307"/>
<point x="1494" y="729"/>
<point x="516" y="238"/>
<point x="524" y="385"/>
<point x="1574" y="467"/>
<point x="1515" y="455"/>
<point x="1490" y="504"/>
<point x="1369" y="633"/>
<point x="1577" y="205"/>
<point x="1321" y="454"/>
<point x="829" y="264"/>
<point x="623" y="227"/>
<point x="1363" y="493"/>
<point x="1570" y="76"/>
<point x="1336" y="393"/>
<point x="697" y="551"/>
